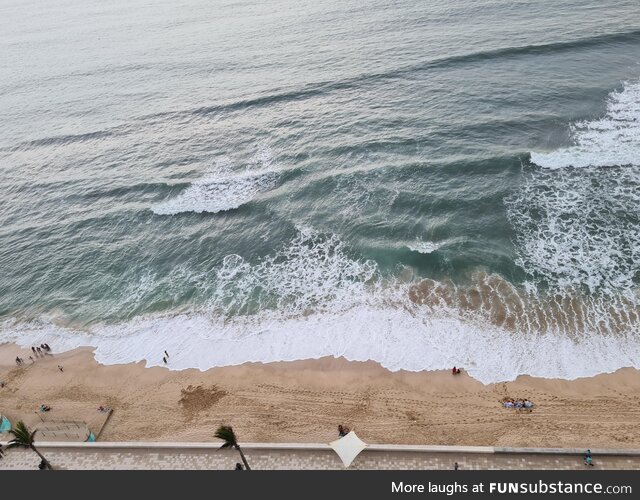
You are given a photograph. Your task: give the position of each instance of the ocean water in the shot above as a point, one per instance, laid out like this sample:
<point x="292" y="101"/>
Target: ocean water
<point x="419" y="183"/>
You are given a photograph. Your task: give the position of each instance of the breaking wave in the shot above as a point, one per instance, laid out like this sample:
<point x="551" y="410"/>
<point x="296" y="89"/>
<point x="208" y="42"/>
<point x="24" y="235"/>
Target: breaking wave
<point x="223" y="189"/>
<point x="613" y="139"/>
<point x="578" y="224"/>
<point x="422" y="246"/>
<point x="314" y="298"/>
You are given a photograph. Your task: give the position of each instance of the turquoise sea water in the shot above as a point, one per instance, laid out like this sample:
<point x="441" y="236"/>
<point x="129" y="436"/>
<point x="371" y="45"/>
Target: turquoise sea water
<point x="422" y="183"/>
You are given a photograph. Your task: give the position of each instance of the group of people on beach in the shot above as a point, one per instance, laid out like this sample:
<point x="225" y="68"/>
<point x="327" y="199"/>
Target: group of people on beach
<point x="41" y="350"/>
<point x="38" y="351"/>
<point x="517" y="403"/>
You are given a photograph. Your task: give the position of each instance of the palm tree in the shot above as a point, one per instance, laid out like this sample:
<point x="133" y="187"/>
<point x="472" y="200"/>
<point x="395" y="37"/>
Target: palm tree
<point x="23" y="438"/>
<point x="225" y="432"/>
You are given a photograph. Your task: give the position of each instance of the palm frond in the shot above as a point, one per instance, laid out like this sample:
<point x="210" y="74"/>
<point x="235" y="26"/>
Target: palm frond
<point x="226" y="434"/>
<point x="22" y="437"/>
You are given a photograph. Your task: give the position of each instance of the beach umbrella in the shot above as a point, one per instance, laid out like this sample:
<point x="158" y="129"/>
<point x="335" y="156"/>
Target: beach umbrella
<point x="348" y="447"/>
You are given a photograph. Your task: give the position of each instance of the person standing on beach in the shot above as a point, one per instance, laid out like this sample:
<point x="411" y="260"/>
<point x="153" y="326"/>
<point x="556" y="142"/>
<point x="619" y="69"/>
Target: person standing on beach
<point x="164" y="360"/>
<point x="166" y="354"/>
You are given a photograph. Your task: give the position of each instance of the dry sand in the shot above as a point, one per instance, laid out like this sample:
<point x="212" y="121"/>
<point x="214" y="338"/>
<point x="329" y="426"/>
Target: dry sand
<point x="304" y="401"/>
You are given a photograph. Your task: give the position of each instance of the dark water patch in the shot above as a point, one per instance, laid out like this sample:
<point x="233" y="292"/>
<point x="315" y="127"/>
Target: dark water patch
<point x="277" y="96"/>
<point x="624" y="37"/>
<point x="274" y="98"/>
<point x="62" y="140"/>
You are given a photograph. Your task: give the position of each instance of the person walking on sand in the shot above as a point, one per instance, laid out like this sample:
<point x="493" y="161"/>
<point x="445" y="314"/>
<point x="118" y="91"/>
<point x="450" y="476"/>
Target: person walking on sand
<point x="60" y="368"/>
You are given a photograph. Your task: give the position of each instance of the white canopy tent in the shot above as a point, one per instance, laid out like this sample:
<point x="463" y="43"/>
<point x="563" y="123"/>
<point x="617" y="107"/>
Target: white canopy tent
<point x="348" y="447"/>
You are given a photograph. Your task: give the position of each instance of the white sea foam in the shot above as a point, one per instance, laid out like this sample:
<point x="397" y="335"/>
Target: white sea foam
<point x="611" y="140"/>
<point x="223" y="188"/>
<point x="313" y="298"/>
<point x="579" y="228"/>
<point x="395" y="337"/>
<point x="422" y="246"/>
<point x="309" y="273"/>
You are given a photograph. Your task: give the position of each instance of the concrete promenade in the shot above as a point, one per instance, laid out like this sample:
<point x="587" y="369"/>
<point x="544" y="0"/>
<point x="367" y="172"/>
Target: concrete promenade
<point x="108" y="455"/>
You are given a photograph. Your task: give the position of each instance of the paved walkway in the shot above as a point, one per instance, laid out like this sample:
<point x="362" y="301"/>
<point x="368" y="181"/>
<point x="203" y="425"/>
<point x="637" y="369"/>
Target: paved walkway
<point x="104" y="455"/>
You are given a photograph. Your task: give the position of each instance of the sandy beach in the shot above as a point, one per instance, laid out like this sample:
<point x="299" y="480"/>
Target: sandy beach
<point x="304" y="401"/>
